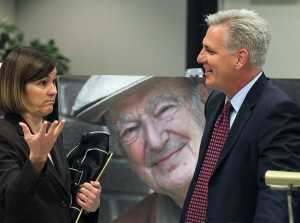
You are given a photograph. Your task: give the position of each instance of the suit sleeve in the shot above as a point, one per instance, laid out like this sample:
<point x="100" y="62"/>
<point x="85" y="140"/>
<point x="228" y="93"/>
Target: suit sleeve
<point x="17" y="177"/>
<point x="279" y="149"/>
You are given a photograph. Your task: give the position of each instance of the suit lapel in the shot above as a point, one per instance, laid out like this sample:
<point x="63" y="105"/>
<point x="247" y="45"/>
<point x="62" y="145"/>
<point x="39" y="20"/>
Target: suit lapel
<point x="235" y="131"/>
<point x="212" y="112"/>
<point x="241" y="119"/>
<point x="58" y="170"/>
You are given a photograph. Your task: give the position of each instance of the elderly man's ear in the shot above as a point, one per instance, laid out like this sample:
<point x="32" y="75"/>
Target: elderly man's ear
<point x="203" y="92"/>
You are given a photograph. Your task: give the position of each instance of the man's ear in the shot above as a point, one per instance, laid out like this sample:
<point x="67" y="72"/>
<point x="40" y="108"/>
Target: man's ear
<point x="242" y="58"/>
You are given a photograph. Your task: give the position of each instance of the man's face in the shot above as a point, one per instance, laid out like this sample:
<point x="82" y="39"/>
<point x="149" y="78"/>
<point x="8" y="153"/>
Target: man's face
<point x="161" y="135"/>
<point x="218" y="62"/>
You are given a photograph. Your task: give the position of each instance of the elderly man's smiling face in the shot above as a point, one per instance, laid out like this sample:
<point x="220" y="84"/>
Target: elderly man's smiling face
<point x="160" y="133"/>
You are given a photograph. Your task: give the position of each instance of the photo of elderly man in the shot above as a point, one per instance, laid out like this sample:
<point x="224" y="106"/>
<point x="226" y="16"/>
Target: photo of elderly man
<point x="157" y="123"/>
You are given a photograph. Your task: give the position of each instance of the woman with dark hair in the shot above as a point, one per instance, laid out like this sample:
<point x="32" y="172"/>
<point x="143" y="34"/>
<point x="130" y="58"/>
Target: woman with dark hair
<point x="34" y="172"/>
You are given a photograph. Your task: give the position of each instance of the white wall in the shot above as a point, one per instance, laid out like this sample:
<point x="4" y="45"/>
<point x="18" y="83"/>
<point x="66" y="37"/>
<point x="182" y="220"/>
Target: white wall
<point x="141" y="36"/>
<point x="7" y="10"/>
<point x="132" y="37"/>
<point x="283" y="15"/>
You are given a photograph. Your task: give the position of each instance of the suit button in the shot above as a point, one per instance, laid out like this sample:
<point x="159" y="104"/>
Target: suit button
<point x="63" y="204"/>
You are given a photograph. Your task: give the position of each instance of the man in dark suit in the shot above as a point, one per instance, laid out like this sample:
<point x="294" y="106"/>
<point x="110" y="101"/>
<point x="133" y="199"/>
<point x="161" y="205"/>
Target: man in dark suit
<point x="264" y="127"/>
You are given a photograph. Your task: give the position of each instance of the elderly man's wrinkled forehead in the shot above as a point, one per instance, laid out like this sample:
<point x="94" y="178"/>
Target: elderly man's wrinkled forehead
<point x="171" y="89"/>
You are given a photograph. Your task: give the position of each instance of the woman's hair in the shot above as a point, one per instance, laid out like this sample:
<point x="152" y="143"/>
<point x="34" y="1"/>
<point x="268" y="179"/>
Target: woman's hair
<point x="245" y="29"/>
<point x="22" y="65"/>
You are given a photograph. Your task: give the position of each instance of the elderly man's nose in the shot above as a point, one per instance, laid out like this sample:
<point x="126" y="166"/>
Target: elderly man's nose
<point x="155" y="136"/>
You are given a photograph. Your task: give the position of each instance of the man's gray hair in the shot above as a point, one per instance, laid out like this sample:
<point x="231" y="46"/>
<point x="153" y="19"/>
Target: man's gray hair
<point x="245" y="29"/>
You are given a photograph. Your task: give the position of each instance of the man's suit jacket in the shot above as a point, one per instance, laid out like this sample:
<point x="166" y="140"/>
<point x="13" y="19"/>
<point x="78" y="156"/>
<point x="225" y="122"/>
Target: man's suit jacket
<point x="264" y="136"/>
<point x="24" y="196"/>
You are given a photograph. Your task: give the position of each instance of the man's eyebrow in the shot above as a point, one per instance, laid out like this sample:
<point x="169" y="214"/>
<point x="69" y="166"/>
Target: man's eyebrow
<point x="123" y="119"/>
<point x="167" y="96"/>
<point x="207" y="47"/>
<point x="151" y="104"/>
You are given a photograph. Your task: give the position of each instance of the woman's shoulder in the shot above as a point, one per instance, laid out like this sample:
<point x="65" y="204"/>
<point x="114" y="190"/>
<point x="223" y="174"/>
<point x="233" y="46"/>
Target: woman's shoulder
<point x="9" y="126"/>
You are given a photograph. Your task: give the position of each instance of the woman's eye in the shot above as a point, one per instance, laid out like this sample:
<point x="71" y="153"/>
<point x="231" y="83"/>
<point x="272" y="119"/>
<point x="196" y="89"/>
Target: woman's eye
<point x="43" y="83"/>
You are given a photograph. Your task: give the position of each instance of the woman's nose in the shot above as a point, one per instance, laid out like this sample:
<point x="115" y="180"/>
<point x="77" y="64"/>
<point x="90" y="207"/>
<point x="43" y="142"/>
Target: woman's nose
<point x="53" y="89"/>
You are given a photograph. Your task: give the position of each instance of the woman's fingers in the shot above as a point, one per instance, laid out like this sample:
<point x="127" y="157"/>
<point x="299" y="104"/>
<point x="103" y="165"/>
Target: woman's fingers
<point x="42" y="142"/>
<point x="25" y="129"/>
<point x="88" y="196"/>
<point x="56" y="128"/>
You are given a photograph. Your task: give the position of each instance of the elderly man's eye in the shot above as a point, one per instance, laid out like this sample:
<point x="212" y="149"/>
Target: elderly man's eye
<point x="129" y="134"/>
<point x="167" y="112"/>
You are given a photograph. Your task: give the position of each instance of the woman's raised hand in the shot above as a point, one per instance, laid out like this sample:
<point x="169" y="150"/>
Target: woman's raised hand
<point x="42" y="142"/>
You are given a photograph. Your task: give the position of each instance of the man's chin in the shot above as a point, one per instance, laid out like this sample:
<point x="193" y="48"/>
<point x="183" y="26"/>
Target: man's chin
<point x="166" y="185"/>
<point x="165" y="170"/>
<point x="176" y="176"/>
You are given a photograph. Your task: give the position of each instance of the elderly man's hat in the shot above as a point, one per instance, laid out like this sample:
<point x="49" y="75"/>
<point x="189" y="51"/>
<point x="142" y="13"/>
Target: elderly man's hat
<point x="101" y="92"/>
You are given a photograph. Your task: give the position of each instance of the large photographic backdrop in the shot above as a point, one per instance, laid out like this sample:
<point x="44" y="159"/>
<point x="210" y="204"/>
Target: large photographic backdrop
<point x="122" y="187"/>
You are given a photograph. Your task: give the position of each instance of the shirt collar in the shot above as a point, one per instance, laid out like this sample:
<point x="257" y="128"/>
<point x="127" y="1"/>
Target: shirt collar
<point x="238" y="99"/>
